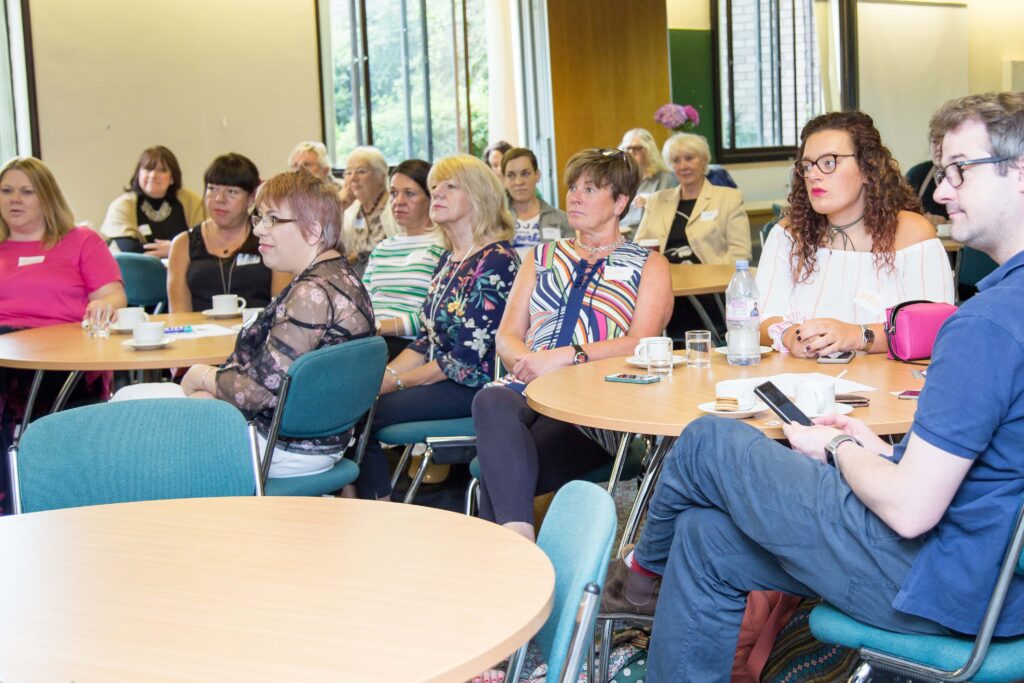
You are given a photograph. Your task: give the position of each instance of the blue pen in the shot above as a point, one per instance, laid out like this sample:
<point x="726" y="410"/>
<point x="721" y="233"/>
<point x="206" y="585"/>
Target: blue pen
<point x="172" y="330"/>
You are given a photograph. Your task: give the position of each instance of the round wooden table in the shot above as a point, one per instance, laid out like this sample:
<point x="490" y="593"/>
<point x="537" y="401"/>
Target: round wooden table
<point x="69" y="347"/>
<point x="264" y="589"/>
<point x="580" y="395"/>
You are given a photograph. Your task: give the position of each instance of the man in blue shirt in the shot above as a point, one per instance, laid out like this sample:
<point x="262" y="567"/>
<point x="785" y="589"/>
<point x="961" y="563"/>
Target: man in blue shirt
<point x="907" y="538"/>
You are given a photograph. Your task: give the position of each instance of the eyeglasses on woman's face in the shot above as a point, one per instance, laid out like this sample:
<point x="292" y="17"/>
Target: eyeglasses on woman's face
<point x="826" y="163"/>
<point x="954" y="172"/>
<point x="271" y="222"/>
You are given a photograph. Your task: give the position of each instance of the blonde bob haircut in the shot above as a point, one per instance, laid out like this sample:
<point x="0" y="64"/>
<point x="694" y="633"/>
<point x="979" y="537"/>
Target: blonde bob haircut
<point x="491" y="220"/>
<point x="655" y="164"/>
<point x="688" y="142"/>
<point x="57" y="214"/>
<point x="310" y="200"/>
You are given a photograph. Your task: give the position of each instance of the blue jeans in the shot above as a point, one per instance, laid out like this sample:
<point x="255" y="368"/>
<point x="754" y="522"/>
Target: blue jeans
<point x="734" y="511"/>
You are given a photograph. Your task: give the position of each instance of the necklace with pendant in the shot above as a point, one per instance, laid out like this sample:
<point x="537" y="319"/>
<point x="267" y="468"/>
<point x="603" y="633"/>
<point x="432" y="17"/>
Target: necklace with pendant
<point x="840" y="231"/>
<point x="435" y="302"/>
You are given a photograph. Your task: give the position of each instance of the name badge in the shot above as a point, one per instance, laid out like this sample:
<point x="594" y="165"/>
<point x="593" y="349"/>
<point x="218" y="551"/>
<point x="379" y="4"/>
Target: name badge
<point x="145" y="229"/>
<point x="869" y="301"/>
<point x="551" y="233"/>
<point x="29" y="260"/>
<point x="359" y="223"/>
<point x="708" y="215"/>
<point x="247" y="259"/>
<point x="618" y="273"/>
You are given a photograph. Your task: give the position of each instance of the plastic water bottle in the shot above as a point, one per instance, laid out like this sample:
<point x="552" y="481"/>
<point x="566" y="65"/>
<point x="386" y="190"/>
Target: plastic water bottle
<point x="741" y="318"/>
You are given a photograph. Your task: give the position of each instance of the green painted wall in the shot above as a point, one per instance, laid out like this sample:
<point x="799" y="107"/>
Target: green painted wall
<point x="692" y="69"/>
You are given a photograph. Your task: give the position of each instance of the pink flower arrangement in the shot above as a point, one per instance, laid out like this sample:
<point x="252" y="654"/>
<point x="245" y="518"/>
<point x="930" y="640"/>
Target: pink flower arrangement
<point x="677" y="117"/>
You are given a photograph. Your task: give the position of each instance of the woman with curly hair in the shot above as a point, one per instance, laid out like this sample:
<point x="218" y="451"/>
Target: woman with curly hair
<point x="852" y="244"/>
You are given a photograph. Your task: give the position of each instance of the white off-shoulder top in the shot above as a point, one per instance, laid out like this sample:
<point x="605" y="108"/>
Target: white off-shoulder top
<point x="847" y="285"/>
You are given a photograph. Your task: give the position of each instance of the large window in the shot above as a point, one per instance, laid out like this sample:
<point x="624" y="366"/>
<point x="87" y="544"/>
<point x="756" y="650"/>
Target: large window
<point x="407" y="76"/>
<point x="773" y="60"/>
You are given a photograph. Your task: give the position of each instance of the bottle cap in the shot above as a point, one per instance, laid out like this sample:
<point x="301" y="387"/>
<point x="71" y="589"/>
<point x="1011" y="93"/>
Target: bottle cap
<point x="742" y="265"/>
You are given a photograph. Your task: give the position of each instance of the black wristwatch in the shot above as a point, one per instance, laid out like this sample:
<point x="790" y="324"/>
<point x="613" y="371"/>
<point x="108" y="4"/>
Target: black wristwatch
<point x="834" y="444"/>
<point x="581" y="355"/>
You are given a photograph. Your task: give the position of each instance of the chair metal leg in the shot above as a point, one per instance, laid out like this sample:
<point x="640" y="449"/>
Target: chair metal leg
<point x="473" y="497"/>
<point x="862" y="674"/>
<point x="37" y="379"/>
<point x="644" y="491"/>
<point x="620" y="461"/>
<point x="515" y="664"/>
<point x="420" y="473"/>
<point x="403" y="462"/>
<point x="607" y="629"/>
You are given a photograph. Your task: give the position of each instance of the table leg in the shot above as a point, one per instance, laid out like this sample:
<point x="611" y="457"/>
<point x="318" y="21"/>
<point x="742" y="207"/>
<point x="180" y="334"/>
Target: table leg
<point x="65" y="391"/>
<point x="644" y="491"/>
<point x="620" y="461"/>
<point x="706" y="319"/>
<point x="37" y="379"/>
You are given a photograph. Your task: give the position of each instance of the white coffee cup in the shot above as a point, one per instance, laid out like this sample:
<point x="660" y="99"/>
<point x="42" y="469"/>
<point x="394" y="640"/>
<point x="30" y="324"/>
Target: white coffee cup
<point x="128" y="318"/>
<point x="654" y="348"/>
<point x="816" y="397"/>
<point x="148" y="333"/>
<point x="228" y="303"/>
<point x="740" y="389"/>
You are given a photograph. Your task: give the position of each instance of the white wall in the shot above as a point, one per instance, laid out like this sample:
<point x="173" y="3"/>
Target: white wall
<point x="202" y="77"/>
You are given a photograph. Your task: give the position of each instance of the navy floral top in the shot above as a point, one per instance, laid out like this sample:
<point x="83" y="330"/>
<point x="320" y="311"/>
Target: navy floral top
<point x="460" y="316"/>
<point x="325" y="305"/>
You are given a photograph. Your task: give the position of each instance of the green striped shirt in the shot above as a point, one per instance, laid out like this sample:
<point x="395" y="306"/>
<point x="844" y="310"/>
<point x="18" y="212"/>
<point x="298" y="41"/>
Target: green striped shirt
<point x="397" y="277"/>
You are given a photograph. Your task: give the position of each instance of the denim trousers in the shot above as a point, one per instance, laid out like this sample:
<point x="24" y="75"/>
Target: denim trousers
<point x="734" y="511"/>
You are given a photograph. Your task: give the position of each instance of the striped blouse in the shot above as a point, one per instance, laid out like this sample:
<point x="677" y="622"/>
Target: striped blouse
<point x="604" y="295"/>
<point x="397" y="277"/>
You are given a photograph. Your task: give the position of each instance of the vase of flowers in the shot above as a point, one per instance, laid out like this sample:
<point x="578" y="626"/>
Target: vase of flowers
<point x="682" y="118"/>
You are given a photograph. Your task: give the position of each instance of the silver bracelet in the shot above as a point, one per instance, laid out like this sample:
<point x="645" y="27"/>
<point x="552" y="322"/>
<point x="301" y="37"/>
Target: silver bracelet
<point x="398" y="380"/>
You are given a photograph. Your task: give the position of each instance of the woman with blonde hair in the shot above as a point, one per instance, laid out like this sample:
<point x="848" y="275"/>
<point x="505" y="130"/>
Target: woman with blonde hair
<point x="439" y="373"/>
<point x="368" y="220"/>
<point x="654" y="174"/>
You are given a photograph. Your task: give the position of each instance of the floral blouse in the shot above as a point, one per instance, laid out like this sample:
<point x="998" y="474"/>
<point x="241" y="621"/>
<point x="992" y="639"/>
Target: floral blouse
<point x="325" y="305"/>
<point x="460" y="316"/>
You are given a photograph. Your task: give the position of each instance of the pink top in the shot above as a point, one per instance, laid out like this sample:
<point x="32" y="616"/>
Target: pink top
<point x="40" y="287"/>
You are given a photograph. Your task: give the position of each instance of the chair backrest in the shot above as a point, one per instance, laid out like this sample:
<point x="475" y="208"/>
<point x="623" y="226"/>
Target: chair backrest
<point x="973" y="266"/>
<point x="765" y="229"/>
<point x="145" y="279"/>
<point x="331" y="388"/>
<point x="577" y="537"/>
<point x="134" y="450"/>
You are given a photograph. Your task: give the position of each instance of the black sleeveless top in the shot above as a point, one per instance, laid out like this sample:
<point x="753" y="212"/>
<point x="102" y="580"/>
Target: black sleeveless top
<point x="241" y="273"/>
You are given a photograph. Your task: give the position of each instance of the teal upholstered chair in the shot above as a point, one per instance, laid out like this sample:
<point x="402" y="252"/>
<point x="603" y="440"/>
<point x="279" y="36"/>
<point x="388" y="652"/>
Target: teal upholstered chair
<point x="131" y="451"/>
<point x="971" y="266"/>
<point x="631" y="468"/>
<point x="935" y="658"/>
<point x="145" y="280"/>
<point x="449" y="442"/>
<point x="326" y="392"/>
<point x="577" y="537"/>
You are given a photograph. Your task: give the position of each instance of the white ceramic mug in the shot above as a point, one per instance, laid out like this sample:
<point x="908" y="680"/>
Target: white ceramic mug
<point x="740" y="389"/>
<point x="816" y="397"/>
<point x="657" y="353"/>
<point x="128" y="318"/>
<point x="148" y="333"/>
<point x="228" y="303"/>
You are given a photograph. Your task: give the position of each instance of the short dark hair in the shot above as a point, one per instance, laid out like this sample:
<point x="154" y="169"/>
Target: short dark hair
<point x="500" y="146"/>
<point x="234" y="170"/>
<point x="1002" y="114"/>
<point x="606" y="167"/>
<point x="516" y="153"/>
<point x="416" y="170"/>
<point x="155" y="157"/>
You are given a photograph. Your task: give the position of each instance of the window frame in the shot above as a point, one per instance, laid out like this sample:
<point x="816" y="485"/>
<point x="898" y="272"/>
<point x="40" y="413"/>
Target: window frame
<point x="848" y="84"/>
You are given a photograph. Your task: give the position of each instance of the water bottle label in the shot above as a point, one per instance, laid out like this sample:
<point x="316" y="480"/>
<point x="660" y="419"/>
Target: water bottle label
<point x="741" y="310"/>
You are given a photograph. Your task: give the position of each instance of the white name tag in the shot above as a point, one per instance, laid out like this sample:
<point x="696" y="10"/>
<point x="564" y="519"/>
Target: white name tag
<point x="869" y="301"/>
<point x="416" y="257"/>
<point x="618" y="272"/>
<point x="551" y="233"/>
<point x="145" y="229"/>
<point x="359" y="223"/>
<point x="247" y="259"/>
<point x="29" y="260"/>
<point x="708" y="215"/>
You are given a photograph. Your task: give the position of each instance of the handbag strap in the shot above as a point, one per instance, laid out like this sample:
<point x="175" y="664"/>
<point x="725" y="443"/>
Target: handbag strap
<point x="890" y="329"/>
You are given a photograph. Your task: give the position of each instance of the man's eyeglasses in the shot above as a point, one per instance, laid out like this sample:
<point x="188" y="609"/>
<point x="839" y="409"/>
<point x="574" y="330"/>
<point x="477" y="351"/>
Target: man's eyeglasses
<point x="954" y="172"/>
<point x="259" y="219"/>
<point x="826" y="163"/>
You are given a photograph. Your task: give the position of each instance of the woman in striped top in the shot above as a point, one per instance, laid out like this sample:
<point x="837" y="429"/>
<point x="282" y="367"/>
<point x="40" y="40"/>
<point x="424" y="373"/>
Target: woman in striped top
<point x="573" y="300"/>
<point x="400" y="267"/>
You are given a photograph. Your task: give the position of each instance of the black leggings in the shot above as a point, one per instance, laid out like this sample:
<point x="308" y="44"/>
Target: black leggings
<point x="523" y="453"/>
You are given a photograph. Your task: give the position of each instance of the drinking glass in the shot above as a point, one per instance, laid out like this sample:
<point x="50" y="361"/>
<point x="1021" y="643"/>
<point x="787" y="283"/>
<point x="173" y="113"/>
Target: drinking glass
<point x="698" y="349"/>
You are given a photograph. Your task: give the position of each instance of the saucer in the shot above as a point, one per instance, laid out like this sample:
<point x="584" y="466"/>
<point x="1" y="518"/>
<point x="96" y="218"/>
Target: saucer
<point x="210" y="313"/>
<point x="709" y="407"/>
<point x="637" y="362"/>
<point x="725" y="349"/>
<point x="837" y="409"/>
<point x="132" y="344"/>
<point x="120" y="330"/>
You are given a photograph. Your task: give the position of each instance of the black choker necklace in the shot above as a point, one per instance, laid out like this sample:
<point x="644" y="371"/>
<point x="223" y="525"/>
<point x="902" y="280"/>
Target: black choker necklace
<point x="840" y="231"/>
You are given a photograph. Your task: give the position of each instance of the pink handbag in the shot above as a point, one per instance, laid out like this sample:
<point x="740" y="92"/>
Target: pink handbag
<point x="911" y="328"/>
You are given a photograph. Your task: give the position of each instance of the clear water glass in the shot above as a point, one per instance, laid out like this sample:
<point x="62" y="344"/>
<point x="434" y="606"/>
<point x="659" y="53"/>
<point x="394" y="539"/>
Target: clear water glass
<point x="698" y="349"/>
